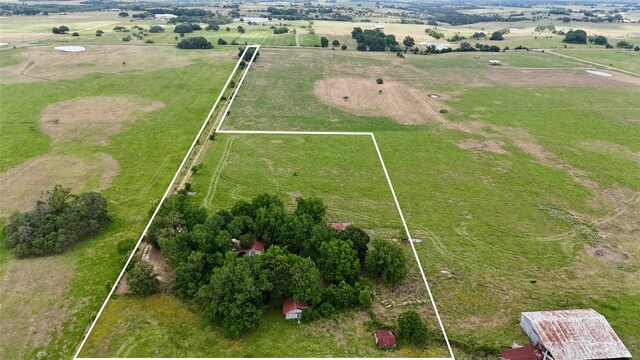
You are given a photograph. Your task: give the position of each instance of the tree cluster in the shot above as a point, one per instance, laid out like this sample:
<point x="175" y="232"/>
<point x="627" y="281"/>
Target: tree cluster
<point x="57" y="222"/>
<point x="281" y="30"/>
<point x="575" y="37"/>
<point x="196" y="42"/>
<point x="62" y="29"/>
<point x="299" y="247"/>
<point x="374" y="40"/>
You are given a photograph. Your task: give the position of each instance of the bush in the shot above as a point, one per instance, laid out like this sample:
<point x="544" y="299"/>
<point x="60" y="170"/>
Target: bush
<point x="222" y="41"/>
<point x="387" y="260"/>
<point x="344" y="47"/>
<point x="246" y="241"/>
<point x="281" y="30"/>
<point x="412" y="328"/>
<point x="149" y="41"/>
<point x="156" y="29"/>
<point x="335" y="43"/>
<point x="324" y="42"/>
<point x="56" y="223"/>
<point x="99" y="32"/>
<point x="497" y="35"/>
<point x="125" y="246"/>
<point x="379" y="81"/>
<point x="126" y="38"/>
<point x="142" y="280"/>
<point x="183" y="29"/>
<point x="197" y="42"/>
<point x="75" y="34"/>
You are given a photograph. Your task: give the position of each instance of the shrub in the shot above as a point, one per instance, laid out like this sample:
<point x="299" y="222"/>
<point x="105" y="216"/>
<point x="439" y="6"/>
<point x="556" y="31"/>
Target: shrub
<point x="156" y="29"/>
<point x="344" y="47"/>
<point x="222" y="41"/>
<point x="412" y="328"/>
<point x="142" y="280"/>
<point x="99" y="32"/>
<point x="183" y="29"/>
<point x="335" y="43"/>
<point x="125" y="246"/>
<point x="75" y="34"/>
<point x="126" y="38"/>
<point x="387" y="260"/>
<point x="281" y="30"/>
<point x="379" y="81"/>
<point x="497" y="35"/>
<point x="149" y="41"/>
<point x="324" y="42"/>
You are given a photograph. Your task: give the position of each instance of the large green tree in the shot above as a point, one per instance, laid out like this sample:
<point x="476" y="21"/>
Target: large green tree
<point x="141" y="279"/>
<point x="339" y="261"/>
<point x="314" y="207"/>
<point x="358" y="237"/>
<point x="387" y="260"/>
<point x="575" y="37"/>
<point x="412" y="328"/>
<point x="234" y="296"/>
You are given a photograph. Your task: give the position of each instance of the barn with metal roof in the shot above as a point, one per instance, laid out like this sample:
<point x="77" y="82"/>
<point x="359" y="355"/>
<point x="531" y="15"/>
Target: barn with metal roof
<point x="573" y="335"/>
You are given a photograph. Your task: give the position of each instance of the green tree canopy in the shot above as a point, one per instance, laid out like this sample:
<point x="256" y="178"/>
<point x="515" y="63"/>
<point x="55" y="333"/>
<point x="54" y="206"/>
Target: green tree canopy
<point x="339" y="261"/>
<point x="358" y="237"/>
<point x="141" y="279"/>
<point x="387" y="260"/>
<point x="411" y="328"/>
<point x="575" y="37"/>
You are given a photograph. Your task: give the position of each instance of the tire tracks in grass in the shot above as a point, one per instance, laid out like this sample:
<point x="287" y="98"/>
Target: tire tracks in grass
<point x="207" y="202"/>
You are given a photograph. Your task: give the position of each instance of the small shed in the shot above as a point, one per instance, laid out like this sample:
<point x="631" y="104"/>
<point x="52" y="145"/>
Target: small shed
<point x="256" y="248"/>
<point x="573" y="335"/>
<point x="385" y="339"/>
<point x="527" y="352"/>
<point x="292" y="309"/>
<point x="379" y="27"/>
<point x="495" y="62"/>
<point x="339" y="226"/>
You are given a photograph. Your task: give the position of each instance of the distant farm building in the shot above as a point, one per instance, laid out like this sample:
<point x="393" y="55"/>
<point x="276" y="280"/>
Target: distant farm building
<point x="385" y="339"/>
<point x="379" y="27"/>
<point x="573" y="335"/>
<point x="164" y="16"/>
<point x="256" y="248"/>
<point x="495" y="62"/>
<point x="339" y="226"/>
<point x="292" y="309"/>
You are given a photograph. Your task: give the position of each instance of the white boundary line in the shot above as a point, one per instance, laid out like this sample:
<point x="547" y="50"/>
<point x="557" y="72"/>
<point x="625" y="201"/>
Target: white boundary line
<point x="166" y="193"/>
<point x="393" y="193"/>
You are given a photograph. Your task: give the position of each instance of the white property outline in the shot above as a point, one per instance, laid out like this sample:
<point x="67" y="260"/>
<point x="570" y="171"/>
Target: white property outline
<point x="166" y="193"/>
<point x="261" y="132"/>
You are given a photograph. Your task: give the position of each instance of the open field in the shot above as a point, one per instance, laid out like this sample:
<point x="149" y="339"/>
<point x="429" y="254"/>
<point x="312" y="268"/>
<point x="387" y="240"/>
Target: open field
<point x="621" y="59"/>
<point x="231" y="172"/>
<point x="47" y="302"/>
<point x="525" y="194"/>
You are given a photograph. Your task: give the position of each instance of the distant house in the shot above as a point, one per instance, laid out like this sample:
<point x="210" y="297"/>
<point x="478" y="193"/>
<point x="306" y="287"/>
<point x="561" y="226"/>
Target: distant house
<point x="379" y="27"/>
<point x="164" y="16"/>
<point x="573" y="335"/>
<point x="495" y="62"/>
<point x="384" y="339"/>
<point x="339" y="226"/>
<point x="256" y="248"/>
<point x="292" y="309"/>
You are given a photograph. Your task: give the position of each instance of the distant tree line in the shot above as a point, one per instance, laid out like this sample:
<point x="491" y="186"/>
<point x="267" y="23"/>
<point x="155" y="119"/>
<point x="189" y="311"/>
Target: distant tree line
<point x="374" y="40"/>
<point x="57" y="222"/>
<point x="300" y="246"/>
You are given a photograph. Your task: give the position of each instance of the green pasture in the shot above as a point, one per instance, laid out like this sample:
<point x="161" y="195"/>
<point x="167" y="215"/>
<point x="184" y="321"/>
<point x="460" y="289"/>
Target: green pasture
<point x="44" y="23"/>
<point x="146" y="167"/>
<point x="622" y="59"/>
<point x="309" y="39"/>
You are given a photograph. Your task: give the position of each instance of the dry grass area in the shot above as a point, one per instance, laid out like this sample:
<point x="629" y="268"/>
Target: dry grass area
<point x="17" y="38"/>
<point x="557" y="78"/>
<point x="33" y="290"/>
<point x="92" y="119"/>
<point x="390" y="99"/>
<point x="494" y="146"/>
<point x="22" y="186"/>
<point x="84" y="121"/>
<point x="43" y="63"/>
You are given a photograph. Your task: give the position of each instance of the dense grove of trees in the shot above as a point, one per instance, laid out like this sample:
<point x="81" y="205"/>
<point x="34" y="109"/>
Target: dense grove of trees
<point x="196" y="42"/>
<point x="575" y="37"/>
<point x="62" y="29"/>
<point x="300" y="247"/>
<point x="57" y="222"/>
<point x="374" y="40"/>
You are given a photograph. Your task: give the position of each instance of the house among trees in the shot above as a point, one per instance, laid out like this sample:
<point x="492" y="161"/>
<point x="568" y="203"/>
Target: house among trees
<point x="385" y="339"/>
<point x="339" y="226"/>
<point x="292" y="309"/>
<point x="256" y="248"/>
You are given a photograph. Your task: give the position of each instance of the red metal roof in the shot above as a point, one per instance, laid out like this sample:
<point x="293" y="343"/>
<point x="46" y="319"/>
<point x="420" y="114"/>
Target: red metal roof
<point x="256" y="246"/>
<point x="576" y="334"/>
<point x="290" y="304"/>
<point x="339" y="226"/>
<point x="385" y="338"/>
<point x="526" y="352"/>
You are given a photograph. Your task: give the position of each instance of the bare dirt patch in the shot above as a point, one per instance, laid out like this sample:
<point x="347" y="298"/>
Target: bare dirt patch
<point x="392" y="99"/>
<point x="92" y="119"/>
<point x="159" y="262"/>
<point x="21" y="186"/>
<point x="494" y="146"/>
<point x="33" y="305"/>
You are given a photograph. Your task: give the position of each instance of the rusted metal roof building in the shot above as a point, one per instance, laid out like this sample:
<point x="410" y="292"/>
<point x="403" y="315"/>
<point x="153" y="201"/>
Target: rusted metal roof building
<point x="385" y="339"/>
<point x="573" y="335"/>
<point x="292" y="309"/>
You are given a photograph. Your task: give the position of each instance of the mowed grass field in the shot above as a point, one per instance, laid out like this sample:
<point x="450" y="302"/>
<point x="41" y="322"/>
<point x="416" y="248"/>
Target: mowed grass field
<point x="47" y="302"/>
<point x="352" y="185"/>
<point x="621" y="59"/>
<point x="547" y="220"/>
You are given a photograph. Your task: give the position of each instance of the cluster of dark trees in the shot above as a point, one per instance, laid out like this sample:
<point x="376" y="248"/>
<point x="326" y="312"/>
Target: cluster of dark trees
<point x="62" y="29"/>
<point x="280" y="30"/>
<point x="196" y="42"/>
<point x="248" y="55"/>
<point x="300" y="247"/>
<point x="57" y="222"/>
<point x="374" y="40"/>
<point x="575" y="37"/>
<point x="186" y="28"/>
